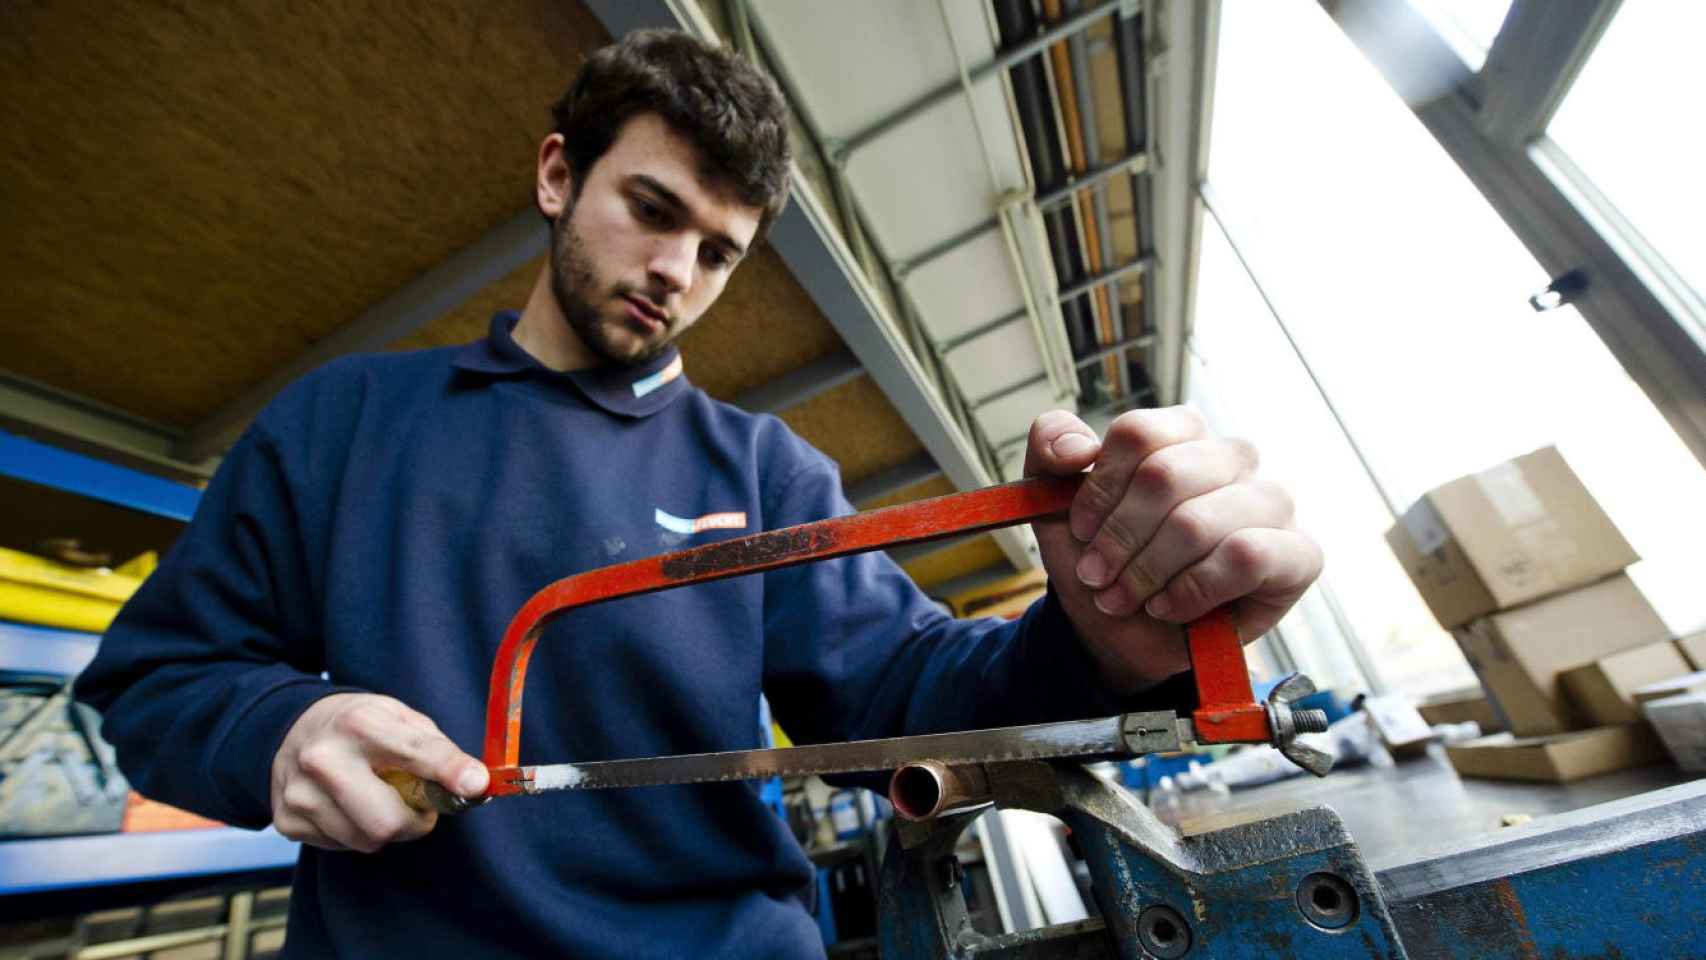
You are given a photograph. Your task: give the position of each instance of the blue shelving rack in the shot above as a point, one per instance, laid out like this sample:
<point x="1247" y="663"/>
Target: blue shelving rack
<point x="59" y="875"/>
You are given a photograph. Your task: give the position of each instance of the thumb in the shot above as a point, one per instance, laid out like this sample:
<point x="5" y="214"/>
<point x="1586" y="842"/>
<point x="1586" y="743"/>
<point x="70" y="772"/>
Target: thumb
<point x="1059" y="445"/>
<point x="436" y="758"/>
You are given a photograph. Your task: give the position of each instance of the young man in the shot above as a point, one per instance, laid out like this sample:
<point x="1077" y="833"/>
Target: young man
<point x="334" y="608"/>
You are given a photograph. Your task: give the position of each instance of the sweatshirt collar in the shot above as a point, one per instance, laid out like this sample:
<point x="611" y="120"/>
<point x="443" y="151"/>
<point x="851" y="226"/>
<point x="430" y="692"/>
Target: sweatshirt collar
<point x="631" y="391"/>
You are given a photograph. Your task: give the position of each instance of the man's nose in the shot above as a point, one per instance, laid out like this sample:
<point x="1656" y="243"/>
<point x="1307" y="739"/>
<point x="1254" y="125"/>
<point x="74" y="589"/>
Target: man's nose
<point x="672" y="261"/>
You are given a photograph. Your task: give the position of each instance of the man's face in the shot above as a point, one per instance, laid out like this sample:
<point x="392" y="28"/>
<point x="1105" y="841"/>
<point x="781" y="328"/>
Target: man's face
<point x="645" y="246"/>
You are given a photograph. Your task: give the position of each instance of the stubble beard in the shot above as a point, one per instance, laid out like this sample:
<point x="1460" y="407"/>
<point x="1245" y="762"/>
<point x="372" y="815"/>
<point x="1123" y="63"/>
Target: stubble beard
<point x="572" y="280"/>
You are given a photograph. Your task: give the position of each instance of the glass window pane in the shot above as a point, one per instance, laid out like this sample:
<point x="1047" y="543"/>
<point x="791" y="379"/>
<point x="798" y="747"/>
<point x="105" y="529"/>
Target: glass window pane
<point x="1468" y="26"/>
<point x="1625" y="123"/>
<point x="1248" y="382"/>
<point x="1409" y="296"/>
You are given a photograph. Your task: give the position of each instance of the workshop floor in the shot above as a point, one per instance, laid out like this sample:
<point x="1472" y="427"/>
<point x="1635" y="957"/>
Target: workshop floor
<point x="1400" y="813"/>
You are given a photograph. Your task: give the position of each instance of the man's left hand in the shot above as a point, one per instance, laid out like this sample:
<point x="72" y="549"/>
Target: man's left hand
<point x="1169" y="524"/>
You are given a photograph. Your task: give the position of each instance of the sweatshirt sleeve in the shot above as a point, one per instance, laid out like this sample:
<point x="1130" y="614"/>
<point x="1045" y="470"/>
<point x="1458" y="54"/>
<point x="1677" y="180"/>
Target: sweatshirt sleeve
<point x="218" y="653"/>
<point x="853" y="649"/>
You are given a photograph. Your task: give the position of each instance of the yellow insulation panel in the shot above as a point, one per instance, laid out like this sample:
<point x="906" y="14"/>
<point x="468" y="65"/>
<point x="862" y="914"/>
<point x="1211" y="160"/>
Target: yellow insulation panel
<point x="37" y="590"/>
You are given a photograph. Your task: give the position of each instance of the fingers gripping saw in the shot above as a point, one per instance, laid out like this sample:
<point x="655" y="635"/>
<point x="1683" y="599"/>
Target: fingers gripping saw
<point x="1227" y="711"/>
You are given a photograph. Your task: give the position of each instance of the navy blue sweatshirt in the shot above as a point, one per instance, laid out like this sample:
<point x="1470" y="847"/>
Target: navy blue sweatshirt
<point x="375" y="530"/>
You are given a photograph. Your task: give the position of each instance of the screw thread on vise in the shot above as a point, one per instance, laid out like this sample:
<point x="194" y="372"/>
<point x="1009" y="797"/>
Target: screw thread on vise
<point x="1309" y="721"/>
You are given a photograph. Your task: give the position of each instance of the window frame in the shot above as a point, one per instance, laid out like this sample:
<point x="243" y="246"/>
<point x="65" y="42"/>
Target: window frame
<point x="1492" y="123"/>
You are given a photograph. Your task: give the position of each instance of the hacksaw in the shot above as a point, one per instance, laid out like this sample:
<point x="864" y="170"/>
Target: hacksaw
<point x="1226" y="712"/>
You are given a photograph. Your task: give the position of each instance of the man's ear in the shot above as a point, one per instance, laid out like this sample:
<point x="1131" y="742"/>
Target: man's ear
<point x="553" y="182"/>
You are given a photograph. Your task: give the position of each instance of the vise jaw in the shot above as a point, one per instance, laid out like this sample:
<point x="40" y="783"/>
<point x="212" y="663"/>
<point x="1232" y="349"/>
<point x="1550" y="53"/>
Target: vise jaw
<point x="1290" y="886"/>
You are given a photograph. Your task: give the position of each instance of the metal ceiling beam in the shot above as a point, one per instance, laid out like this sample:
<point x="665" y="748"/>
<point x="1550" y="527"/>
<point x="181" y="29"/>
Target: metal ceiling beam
<point x="67" y="420"/>
<point x="1535" y="57"/>
<point x="1009" y="390"/>
<point x="417" y="304"/>
<point x="1140" y="340"/>
<point x="949" y="88"/>
<point x="989" y="326"/>
<point x="1649" y="319"/>
<point x="1066" y="294"/>
<point x="797" y="386"/>
<point x="1120" y="272"/>
<point x="1119" y="404"/>
<point x="1134" y="164"/>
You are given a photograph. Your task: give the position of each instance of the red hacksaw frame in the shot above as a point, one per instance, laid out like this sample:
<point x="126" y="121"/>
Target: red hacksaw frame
<point x="1226" y="713"/>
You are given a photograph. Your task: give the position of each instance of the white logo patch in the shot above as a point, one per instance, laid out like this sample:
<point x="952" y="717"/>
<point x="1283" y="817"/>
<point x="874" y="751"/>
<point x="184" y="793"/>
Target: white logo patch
<point x="731" y="520"/>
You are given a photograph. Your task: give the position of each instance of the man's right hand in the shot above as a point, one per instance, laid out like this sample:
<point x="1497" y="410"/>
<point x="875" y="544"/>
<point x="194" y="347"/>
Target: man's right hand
<point x="325" y="790"/>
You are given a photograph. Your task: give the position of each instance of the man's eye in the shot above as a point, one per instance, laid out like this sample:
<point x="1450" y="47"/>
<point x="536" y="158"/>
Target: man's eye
<point x="648" y="211"/>
<point x="716" y="259"/>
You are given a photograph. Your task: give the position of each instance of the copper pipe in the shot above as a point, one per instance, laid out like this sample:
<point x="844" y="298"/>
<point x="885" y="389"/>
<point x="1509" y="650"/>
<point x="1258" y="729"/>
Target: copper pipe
<point x="930" y="788"/>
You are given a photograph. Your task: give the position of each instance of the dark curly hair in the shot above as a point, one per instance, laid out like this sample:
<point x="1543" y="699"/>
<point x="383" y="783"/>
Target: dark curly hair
<point x="731" y="109"/>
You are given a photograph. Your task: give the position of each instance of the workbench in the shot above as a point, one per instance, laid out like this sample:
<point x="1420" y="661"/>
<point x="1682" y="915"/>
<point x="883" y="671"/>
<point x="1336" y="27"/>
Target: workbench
<point x="1400" y="814"/>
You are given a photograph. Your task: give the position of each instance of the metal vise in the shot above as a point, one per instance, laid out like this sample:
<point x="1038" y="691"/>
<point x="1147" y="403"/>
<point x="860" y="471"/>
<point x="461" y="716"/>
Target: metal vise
<point x="1288" y="886"/>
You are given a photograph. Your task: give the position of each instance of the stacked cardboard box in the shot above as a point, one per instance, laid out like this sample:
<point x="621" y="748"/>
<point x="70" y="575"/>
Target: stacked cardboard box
<point x="1526" y="571"/>
<point x="1458" y="706"/>
<point x="1559" y="758"/>
<point x="1604" y="691"/>
<point x="1522" y="655"/>
<point x="1495" y="540"/>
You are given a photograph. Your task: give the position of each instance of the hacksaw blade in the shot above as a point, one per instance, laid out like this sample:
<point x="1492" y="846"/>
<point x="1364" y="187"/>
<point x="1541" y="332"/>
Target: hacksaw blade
<point x="1073" y="738"/>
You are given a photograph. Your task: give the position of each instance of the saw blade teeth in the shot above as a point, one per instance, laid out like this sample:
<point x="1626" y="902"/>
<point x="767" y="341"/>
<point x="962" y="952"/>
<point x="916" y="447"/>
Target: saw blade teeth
<point x="1079" y="738"/>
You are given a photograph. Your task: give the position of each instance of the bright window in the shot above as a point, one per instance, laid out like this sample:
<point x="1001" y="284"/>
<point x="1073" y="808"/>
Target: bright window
<point x="1246" y="381"/>
<point x="1645" y="156"/>
<point x="1409" y="297"/>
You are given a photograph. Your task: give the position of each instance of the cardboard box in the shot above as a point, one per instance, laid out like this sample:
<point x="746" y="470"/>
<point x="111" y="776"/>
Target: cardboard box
<point x="1399" y="726"/>
<point x="1687" y="683"/>
<point x="1559" y="758"/>
<point x="1680" y="722"/>
<point x="1500" y="538"/>
<point x="1518" y="654"/>
<point x="1604" y="690"/>
<point x="1693" y="648"/>
<point x="1460" y="706"/>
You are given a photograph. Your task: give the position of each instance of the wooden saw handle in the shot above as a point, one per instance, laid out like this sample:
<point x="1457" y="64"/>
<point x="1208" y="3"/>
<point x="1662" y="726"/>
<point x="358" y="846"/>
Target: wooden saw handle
<point x="424" y="795"/>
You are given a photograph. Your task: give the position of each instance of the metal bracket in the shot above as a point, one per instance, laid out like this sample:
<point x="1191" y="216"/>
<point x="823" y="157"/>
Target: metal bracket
<point x="1155" y="731"/>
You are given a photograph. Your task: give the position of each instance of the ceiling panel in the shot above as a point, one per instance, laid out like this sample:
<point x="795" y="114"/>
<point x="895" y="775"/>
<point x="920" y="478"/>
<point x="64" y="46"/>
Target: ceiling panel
<point x="997" y="359"/>
<point x="857" y="427"/>
<point x="896" y="48"/>
<point x="1012" y="414"/>
<point x="970" y="286"/>
<point x="925" y="180"/>
<point x="199" y="192"/>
